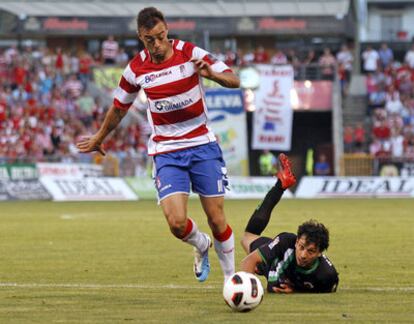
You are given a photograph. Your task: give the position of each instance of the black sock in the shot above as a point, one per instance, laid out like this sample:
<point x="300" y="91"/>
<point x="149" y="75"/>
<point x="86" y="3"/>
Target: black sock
<point x="261" y="216"/>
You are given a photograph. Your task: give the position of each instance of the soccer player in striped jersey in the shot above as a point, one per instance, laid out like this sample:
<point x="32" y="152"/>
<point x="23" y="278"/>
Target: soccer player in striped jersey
<point x="183" y="146"/>
<point x="290" y="262"/>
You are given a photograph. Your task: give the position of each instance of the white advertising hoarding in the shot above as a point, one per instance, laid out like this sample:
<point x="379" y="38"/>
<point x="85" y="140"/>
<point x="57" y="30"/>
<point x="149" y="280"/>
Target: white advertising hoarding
<point x="355" y="187"/>
<point x="252" y="187"/>
<point x="87" y="189"/>
<point x="239" y="188"/>
<point x="272" y="119"/>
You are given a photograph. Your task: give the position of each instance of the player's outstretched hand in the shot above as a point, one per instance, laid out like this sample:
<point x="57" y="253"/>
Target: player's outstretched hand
<point x="90" y="144"/>
<point x="203" y="68"/>
<point x="284" y="289"/>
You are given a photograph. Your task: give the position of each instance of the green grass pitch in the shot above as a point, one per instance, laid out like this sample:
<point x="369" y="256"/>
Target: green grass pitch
<point x="116" y="262"/>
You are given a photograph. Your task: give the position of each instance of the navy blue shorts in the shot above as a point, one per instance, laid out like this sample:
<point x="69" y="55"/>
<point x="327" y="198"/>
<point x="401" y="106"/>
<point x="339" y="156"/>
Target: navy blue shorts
<point x="201" y="167"/>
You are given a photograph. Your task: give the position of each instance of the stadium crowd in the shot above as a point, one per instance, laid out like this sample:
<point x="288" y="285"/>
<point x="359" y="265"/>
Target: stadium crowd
<point x="390" y="106"/>
<point x="46" y="103"/>
<point x="309" y="64"/>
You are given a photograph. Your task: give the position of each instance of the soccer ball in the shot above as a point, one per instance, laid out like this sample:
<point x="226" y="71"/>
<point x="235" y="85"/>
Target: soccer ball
<point x="243" y="291"/>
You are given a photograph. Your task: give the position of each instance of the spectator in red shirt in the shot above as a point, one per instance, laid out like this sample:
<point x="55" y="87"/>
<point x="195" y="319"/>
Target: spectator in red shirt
<point x="19" y="75"/>
<point x="59" y="62"/>
<point x="359" y="137"/>
<point x="3" y="112"/>
<point x="261" y="56"/>
<point x="382" y="131"/>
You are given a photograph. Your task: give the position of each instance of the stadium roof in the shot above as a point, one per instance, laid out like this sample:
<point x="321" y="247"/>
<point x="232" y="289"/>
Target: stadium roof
<point x="179" y="8"/>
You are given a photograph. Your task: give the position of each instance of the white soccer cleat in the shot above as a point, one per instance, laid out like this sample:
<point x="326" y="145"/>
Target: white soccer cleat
<point x="201" y="262"/>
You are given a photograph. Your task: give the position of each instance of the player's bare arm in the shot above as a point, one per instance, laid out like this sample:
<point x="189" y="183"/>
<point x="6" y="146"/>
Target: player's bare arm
<point x="225" y="79"/>
<point x="249" y="264"/>
<point x="94" y="142"/>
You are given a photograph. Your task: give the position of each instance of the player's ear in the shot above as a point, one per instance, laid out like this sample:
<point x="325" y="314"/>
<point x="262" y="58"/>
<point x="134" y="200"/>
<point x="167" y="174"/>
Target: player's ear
<point x="297" y="241"/>
<point x="139" y="35"/>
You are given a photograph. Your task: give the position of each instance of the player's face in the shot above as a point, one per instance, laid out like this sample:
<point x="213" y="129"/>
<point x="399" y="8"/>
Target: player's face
<point x="306" y="253"/>
<point x="156" y="41"/>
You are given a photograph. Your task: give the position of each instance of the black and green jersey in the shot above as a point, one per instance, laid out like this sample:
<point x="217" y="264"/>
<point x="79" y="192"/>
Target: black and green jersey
<point x="279" y="266"/>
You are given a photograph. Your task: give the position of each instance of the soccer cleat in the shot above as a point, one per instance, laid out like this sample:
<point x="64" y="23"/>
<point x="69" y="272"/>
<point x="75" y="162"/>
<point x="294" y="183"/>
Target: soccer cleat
<point x="201" y="262"/>
<point x="285" y="174"/>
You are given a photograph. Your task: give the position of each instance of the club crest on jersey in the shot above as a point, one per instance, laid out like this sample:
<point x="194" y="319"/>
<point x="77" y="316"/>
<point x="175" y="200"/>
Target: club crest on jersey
<point x="153" y="76"/>
<point x="165" y="105"/>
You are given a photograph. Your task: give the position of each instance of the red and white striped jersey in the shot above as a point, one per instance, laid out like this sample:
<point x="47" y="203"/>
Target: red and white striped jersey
<point x="176" y="109"/>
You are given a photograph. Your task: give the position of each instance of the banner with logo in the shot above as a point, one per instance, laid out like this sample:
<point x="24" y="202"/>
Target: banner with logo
<point x="353" y="187"/>
<point x="18" y="171"/>
<point x="183" y="25"/>
<point x="88" y="189"/>
<point x="228" y="121"/>
<point x="252" y="188"/>
<point x="272" y="119"/>
<point x="22" y="190"/>
<point x="71" y="170"/>
<point x="239" y="188"/>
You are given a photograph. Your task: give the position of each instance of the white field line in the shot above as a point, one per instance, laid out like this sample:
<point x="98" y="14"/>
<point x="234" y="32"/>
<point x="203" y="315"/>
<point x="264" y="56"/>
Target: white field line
<point x="381" y="289"/>
<point x="171" y="286"/>
<point x="98" y="286"/>
<point x="67" y="216"/>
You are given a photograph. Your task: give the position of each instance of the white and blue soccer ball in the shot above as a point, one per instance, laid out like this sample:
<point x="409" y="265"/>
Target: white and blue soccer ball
<point x="243" y="291"/>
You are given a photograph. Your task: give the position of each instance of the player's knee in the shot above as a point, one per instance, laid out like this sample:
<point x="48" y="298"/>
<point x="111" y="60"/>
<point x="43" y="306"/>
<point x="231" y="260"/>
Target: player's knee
<point x="247" y="240"/>
<point x="245" y="243"/>
<point x="177" y="228"/>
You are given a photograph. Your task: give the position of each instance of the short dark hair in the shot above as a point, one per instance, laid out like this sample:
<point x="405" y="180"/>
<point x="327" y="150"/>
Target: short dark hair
<point x="316" y="233"/>
<point x="148" y="17"/>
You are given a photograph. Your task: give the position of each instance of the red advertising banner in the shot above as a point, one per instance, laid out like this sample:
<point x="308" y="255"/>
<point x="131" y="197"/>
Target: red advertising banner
<point x="281" y="24"/>
<point x="312" y="95"/>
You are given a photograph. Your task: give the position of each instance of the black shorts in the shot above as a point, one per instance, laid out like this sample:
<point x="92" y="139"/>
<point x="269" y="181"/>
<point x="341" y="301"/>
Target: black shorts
<point x="259" y="242"/>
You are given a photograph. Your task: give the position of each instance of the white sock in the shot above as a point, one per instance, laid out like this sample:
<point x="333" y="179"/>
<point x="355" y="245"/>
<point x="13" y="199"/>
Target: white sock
<point x="225" y="253"/>
<point x="195" y="237"/>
